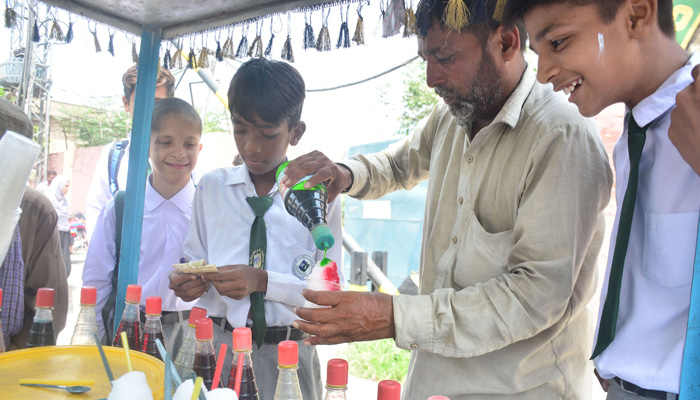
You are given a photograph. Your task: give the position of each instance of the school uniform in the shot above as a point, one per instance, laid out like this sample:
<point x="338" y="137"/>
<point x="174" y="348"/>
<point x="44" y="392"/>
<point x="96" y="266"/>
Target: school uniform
<point x="164" y="228"/>
<point x="220" y="234"/>
<point x="647" y="350"/>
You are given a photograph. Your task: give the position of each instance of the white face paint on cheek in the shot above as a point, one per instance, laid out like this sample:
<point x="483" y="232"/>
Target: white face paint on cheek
<point x="601" y="46"/>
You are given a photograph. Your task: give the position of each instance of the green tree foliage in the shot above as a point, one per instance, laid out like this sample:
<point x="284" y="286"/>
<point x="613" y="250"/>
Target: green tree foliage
<point x="418" y="100"/>
<point x="216" y="119"/>
<point x="94" y="126"/>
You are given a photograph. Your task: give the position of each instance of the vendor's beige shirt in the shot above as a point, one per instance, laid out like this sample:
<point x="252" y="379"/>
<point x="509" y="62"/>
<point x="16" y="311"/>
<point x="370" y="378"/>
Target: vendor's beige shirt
<point x="512" y="230"/>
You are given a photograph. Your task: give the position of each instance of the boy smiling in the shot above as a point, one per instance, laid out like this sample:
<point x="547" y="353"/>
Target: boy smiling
<point x="608" y="51"/>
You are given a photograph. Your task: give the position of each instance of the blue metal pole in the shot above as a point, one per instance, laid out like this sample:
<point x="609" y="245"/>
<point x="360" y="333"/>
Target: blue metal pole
<point x="690" y="370"/>
<point x="138" y="164"/>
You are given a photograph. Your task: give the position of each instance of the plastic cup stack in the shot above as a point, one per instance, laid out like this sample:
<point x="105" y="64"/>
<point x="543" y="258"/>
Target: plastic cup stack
<point x="18" y="155"/>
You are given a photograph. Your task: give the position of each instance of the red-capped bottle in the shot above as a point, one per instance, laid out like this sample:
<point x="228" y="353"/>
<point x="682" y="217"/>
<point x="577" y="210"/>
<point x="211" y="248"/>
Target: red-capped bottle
<point x="204" y="358"/>
<point x="336" y="379"/>
<point x="438" y="398"/>
<point x="153" y="328"/>
<point x="2" y="338"/>
<point x="185" y="355"/>
<point x="288" y="363"/>
<point x="243" y="344"/>
<point x="389" y="390"/>
<point x="131" y="319"/>
<point x="42" y="332"/>
<point x="87" y="323"/>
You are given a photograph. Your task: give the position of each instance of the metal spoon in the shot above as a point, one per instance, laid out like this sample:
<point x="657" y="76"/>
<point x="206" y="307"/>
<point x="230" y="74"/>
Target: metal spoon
<point x="70" y="389"/>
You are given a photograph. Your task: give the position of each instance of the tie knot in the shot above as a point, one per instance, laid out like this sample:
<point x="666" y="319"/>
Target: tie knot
<point x="633" y="127"/>
<point x="259" y="204"/>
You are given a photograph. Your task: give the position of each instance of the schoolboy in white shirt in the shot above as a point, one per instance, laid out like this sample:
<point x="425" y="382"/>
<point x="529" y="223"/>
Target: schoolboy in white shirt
<point x="266" y="99"/>
<point x="176" y="129"/>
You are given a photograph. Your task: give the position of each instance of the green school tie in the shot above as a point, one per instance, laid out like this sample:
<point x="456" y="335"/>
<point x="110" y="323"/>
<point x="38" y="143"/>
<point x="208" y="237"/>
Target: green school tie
<point x="608" y="319"/>
<point x="258" y="247"/>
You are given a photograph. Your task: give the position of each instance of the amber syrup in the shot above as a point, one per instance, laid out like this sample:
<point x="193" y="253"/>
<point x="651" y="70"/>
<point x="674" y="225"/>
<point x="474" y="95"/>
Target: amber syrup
<point x="133" y="334"/>
<point x="249" y="389"/>
<point x="41" y="334"/>
<point x="149" y="344"/>
<point x="205" y="366"/>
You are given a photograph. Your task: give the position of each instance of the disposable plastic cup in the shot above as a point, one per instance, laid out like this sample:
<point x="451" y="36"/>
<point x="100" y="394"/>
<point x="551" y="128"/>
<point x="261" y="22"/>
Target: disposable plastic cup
<point x="17" y="154"/>
<point x="320" y="285"/>
<point x="8" y="222"/>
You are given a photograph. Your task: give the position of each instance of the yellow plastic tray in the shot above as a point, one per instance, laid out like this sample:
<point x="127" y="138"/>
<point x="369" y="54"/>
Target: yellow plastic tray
<point x="72" y="362"/>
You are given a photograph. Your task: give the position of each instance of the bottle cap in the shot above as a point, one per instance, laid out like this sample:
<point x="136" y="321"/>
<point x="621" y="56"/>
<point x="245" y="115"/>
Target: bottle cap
<point x="242" y="339"/>
<point x="195" y="314"/>
<point x="0" y="298"/>
<point x="44" y="297"/>
<point x="153" y="305"/>
<point x="204" y="329"/>
<point x="337" y="373"/>
<point x="438" y="398"/>
<point x="88" y="295"/>
<point x="322" y="237"/>
<point x="133" y="294"/>
<point x="287" y="353"/>
<point x="389" y="390"/>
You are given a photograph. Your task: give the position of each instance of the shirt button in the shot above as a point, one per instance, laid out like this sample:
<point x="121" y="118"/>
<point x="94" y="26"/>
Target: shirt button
<point x="414" y="346"/>
<point x="470" y="159"/>
<point x="461" y="200"/>
<point x="454" y="239"/>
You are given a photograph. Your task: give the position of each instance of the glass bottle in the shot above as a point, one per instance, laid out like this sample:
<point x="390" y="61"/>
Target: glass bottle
<point x="242" y="344"/>
<point x="131" y="319"/>
<point x="153" y="328"/>
<point x="438" y="398"/>
<point x="2" y="338"/>
<point x="288" y="363"/>
<point x="42" y="333"/>
<point x="185" y="355"/>
<point x="336" y="379"/>
<point x="204" y="358"/>
<point x="87" y="323"/>
<point x="389" y="390"/>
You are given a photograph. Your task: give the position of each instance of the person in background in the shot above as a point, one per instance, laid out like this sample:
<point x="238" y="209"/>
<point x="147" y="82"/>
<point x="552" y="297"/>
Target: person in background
<point x="57" y="195"/>
<point x="176" y="129"/>
<point x="684" y="131"/>
<point x="112" y="166"/>
<point x="39" y="241"/>
<point x="518" y="182"/>
<point x="43" y="187"/>
<point x="602" y="52"/>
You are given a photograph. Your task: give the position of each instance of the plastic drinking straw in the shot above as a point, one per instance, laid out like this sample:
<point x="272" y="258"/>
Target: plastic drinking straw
<point x="219" y="366"/>
<point x="173" y="372"/>
<point x="168" y="382"/>
<point x="197" y="388"/>
<point x="104" y="358"/>
<point x="125" y="343"/>
<point x="239" y="371"/>
<point x="202" y="396"/>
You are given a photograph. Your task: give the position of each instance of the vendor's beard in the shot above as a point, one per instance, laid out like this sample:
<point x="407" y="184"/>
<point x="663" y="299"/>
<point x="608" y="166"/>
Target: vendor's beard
<point x="484" y="98"/>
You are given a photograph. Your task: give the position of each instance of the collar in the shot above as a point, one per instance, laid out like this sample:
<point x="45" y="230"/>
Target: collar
<point x="664" y="98"/>
<point x="511" y="110"/>
<point x="240" y="175"/>
<point x="182" y="200"/>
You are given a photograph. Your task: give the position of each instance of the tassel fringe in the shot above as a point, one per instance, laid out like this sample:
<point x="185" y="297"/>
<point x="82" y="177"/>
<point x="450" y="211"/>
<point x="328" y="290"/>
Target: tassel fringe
<point x="287" y="53"/>
<point x="56" y="32"/>
<point x="359" y="35"/>
<point x="268" y="49"/>
<point x="256" y="49"/>
<point x="69" y="34"/>
<point x="167" y="59"/>
<point x="134" y="53"/>
<point x="456" y="15"/>
<point x="410" y="26"/>
<point x="203" y="60"/>
<point x="110" y="46"/>
<point x="176" y="61"/>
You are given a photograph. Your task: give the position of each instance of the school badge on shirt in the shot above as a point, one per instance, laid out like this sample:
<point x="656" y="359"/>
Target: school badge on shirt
<point x="257" y="258"/>
<point x="302" y="266"/>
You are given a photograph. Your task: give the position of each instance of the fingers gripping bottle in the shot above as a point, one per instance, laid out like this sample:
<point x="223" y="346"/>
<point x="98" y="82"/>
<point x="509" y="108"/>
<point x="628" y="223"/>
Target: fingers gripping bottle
<point x="336" y="379"/>
<point x="242" y="344"/>
<point x="204" y="358"/>
<point x="42" y="333"/>
<point x="153" y="329"/>
<point x="185" y="355"/>
<point x="309" y="206"/>
<point x="87" y="323"/>
<point x="288" y="363"/>
<point x="389" y="390"/>
<point x="131" y="319"/>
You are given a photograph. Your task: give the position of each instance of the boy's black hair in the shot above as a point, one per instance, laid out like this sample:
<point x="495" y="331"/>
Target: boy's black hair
<point x="272" y="90"/>
<point x="174" y="107"/>
<point x="481" y="21"/>
<point x="607" y="10"/>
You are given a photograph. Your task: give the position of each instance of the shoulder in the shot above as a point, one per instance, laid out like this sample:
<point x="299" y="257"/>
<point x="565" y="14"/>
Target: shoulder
<point x="219" y="176"/>
<point x="35" y="202"/>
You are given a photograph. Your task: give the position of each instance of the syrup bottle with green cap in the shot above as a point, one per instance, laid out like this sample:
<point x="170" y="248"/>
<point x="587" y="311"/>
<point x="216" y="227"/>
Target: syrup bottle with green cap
<point x="288" y="363"/>
<point x="309" y="206"/>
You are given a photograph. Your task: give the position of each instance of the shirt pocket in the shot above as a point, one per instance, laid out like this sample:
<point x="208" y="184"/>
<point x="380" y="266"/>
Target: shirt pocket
<point x="482" y="255"/>
<point x="669" y="248"/>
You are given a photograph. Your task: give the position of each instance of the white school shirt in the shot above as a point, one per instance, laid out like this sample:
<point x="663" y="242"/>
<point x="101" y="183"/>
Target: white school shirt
<point x="655" y="293"/>
<point x="220" y="234"/>
<point x="164" y="228"/>
<point x="99" y="193"/>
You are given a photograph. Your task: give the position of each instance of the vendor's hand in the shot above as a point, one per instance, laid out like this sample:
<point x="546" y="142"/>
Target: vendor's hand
<point x="188" y="287"/>
<point x="350" y="317"/>
<point x="336" y="178"/>
<point x="684" y="131"/>
<point x="604" y="383"/>
<point x="238" y="281"/>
